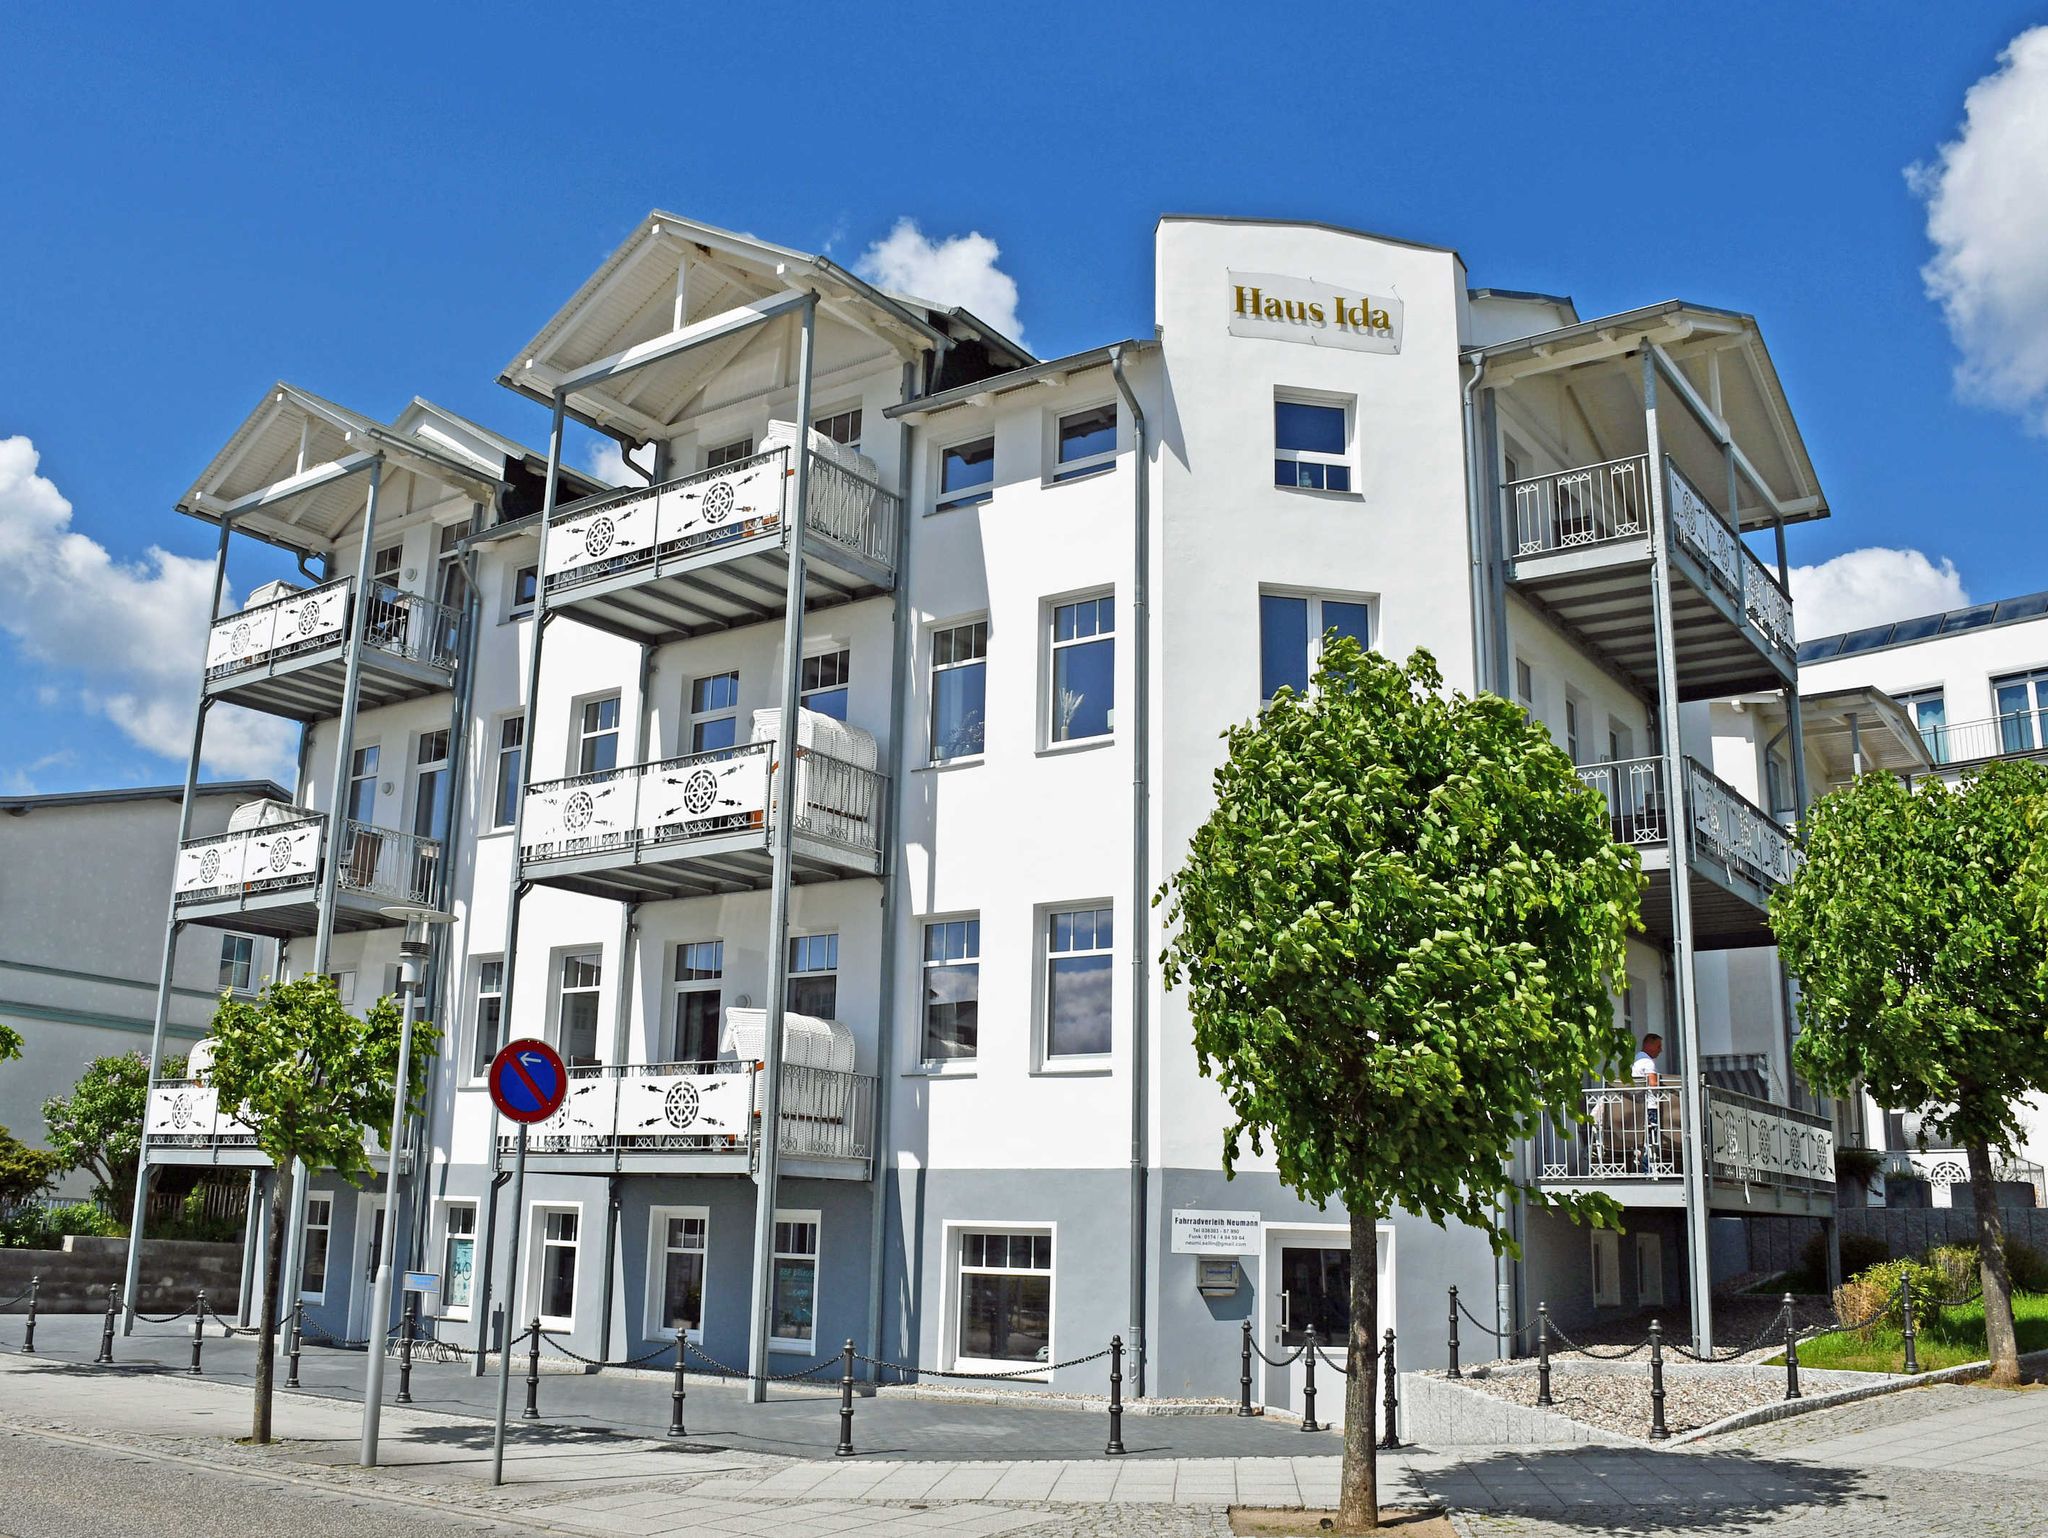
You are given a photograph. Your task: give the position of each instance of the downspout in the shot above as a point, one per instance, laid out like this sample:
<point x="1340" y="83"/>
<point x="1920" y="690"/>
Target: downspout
<point x="1141" y="844"/>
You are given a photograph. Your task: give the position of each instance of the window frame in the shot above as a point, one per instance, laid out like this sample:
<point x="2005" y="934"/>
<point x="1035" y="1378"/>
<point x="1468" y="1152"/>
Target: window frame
<point x="954" y="1236"/>
<point x="362" y="754"/>
<point x="449" y="1207"/>
<point x="777" y="1255"/>
<point x="695" y="719"/>
<point x="944" y="501"/>
<point x="581" y="736"/>
<point x="658" y="1251"/>
<point x="679" y="987"/>
<point x="826" y="654"/>
<point x="2031" y="718"/>
<point x="517" y="607"/>
<point x="1346" y="460"/>
<point x="1061" y="472"/>
<point x="326" y="1199"/>
<point x="830" y="938"/>
<point x="1048" y="915"/>
<point x="970" y="957"/>
<point x="245" y="963"/>
<point x="735" y="451"/>
<point x="1048" y="740"/>
<point x="537" y="1238"/>
<point x="934" y="667"/>
<point x="1315" y="598"/>
<point x="480" y="1065"/>
<point x="499" y="786"/>
<point x="442" y="764"/>
<point x="1910" y="701"/>
<point x="821" y="418"/>
<point x="561" y="989"/>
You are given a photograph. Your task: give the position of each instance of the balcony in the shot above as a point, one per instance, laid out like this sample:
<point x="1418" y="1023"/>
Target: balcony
<point x="1579" y="545"/>
<point x="704" y="1118"/>
<point x="187" y="1126"/>
<point x="2016" y="734"/>
<point x="288" y="656"/>
<point x="1744" y="854"/>
<point x="699" y="824"/>
<point x="1761" y="1157"/>
<point x="265" y="879"/>
<point x="710" y="551"/>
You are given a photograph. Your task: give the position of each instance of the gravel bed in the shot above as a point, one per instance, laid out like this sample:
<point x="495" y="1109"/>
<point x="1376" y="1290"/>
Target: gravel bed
<point x="1620" y="1401"/>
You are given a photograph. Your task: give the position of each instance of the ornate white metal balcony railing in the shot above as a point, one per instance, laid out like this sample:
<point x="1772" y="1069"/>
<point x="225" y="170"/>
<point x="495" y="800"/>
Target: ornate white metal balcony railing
<point x="1944" y="1169"/>
<point x="395" y="622"/>
<point x="1636" y="1132"/>
<point x="1610" y="502"/>
<point x="380" y="863"/>
<point x="701" y="796"/>
<point x="184" y="1113"/>
<point x="707" y="1107"/>
<point x="625" y="531"/>
<point x="1638" y="812"/>
<point x="1735" y="831"/>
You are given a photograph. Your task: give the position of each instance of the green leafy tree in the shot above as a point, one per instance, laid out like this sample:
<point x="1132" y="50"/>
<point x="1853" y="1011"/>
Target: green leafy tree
<point x="1399" y="930"/>
<point x="24" y="1171"/>
<point x="309" y="1079"/>
<point x="1923" y="975"/>
<point x="98" y="1126"/>
<point x="10" y="1043"/>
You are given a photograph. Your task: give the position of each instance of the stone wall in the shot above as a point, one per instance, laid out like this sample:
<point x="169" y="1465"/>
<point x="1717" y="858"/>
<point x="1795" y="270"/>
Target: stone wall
<point x="1910" y="1230"/>
<point x="74" y="1280"/>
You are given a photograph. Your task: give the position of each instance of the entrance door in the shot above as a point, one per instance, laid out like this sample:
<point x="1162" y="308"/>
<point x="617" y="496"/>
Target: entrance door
<point x="369" y="1250"/>
<point x="1307" y="1281"/>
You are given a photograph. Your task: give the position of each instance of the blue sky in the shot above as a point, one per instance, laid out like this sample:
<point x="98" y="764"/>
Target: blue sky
<point x="377" y="201"/>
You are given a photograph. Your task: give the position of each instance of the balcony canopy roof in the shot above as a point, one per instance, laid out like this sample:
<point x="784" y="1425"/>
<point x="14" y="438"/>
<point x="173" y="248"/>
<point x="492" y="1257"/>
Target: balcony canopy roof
<point x="653" y="309"/>
<point x="1596" y="366"/>
<point x="1839" y="723"/>
<point x="292" y="472"/>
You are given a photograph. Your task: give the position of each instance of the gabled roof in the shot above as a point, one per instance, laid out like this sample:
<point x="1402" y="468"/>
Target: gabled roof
<point x="258" y="790"/>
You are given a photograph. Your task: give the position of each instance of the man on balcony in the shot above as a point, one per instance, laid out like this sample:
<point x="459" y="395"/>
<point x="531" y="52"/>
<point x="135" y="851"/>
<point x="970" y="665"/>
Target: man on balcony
<point x="1645" y="1069"/>
<point x="1656" y="1111"/>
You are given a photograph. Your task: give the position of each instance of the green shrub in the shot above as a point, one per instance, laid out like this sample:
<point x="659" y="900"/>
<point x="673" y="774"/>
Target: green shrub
<point x="2028" y="1266"/>
<point x="1951" y="1272"/>
<point x="44" y="1228"/>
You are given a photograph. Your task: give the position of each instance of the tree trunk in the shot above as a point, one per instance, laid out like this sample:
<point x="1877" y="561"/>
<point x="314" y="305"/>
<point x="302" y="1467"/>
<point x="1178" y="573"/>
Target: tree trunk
<point x="273" y="1283"/>
<point x="1358" y="1499"/>
<point x="2000" y="1337"/>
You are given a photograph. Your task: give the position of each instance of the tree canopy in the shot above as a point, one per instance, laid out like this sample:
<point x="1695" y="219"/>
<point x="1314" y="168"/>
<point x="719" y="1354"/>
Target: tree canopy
<point x="98" y="1126"/>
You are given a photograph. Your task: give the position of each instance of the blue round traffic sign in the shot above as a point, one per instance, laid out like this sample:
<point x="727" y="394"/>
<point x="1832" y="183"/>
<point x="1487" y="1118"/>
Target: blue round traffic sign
<point x="528" y="1080"/>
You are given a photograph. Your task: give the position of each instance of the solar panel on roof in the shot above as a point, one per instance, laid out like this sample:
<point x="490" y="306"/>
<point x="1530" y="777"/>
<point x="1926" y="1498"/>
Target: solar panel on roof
<point x="1813" y="651"/>
<point x="1916" y="629"/>
<point x="1865" y="640"/>
<point x="2022" y="608"/>
<point x="1968" y="619"/>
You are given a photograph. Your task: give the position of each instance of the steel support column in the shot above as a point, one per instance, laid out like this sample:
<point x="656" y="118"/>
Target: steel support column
<point x="782" y="831"/>
<point x="161" y="1020"/>
<point x="1692" y="1102"/>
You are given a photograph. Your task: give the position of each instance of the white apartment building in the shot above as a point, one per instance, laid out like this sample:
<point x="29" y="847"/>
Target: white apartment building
<point x="1033" y="594"/>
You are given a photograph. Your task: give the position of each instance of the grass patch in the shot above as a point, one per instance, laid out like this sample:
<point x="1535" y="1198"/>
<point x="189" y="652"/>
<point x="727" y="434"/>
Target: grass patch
<point x="1949" y="1338"/>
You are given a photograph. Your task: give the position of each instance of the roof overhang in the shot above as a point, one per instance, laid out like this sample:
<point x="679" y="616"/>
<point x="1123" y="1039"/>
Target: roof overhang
<point x="1837" y="724"/>
<point x="1054" y="371"/>
<point x="677" y="302"/>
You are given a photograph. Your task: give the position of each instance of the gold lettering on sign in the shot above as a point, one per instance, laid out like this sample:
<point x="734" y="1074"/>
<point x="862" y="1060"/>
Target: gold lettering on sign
<point x="1352" y="315"/>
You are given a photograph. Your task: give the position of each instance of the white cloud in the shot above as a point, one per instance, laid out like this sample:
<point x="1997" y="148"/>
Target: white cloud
<point x="960" y="269"/>
<point x="129" y="637"/>
<point x="607" y="461"/>
<point x="1987" y="216"/>
<point x="1869" y="587"/>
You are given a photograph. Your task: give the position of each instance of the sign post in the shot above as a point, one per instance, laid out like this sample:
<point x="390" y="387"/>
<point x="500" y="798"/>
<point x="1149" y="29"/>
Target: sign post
<point x="527" y="1082"/>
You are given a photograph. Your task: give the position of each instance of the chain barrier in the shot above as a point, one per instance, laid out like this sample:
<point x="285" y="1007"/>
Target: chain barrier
<point x="183" y="1313"/>
<point x="772" y="1377"/>
<point x="1774" y="1329"/>
<point x="1336" y="1367"/>
<point x="314" y="1336"/>
<point x="19" y="1296"/>
<point x="1280" y="1361"/>
<point x="232" y="1330"/>
<point x="1598" y="1356"/>
<point x="590" y="1361"/>
<point x="1037" y="1369"/>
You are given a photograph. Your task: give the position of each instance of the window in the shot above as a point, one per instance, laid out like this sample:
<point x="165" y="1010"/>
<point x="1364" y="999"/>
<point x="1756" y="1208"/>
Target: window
<point x="430" y="787"/>
<point x="362" y="784"/>
<point x="1292" y="629"/>
<point x="967" y="474"/>
<point x="1928" y="709"/>
<point x="959" y="690"/>
<point x="729" y="453"/>
<point x="952" y="988"/>
<point x="555" y="1275"/>
<point x="1077" y="974"/>
<point x="511" y="749"/>
<point x="1525" y="685"/>
<point x="700" y="973"/>
<point x="1606" y="1268"/>
<point x="1571" y="730"/>
<point x="313" y="1268"/>
<point x="1084" y="443"/>
<point x="814" y="975"/>
<point x="525" y="583"/>
<point x="2022" y="711"/>
<point x="1649" y="1270"/>
<point x="1621" y="742"/>
<point x="488" y="1023"/>
<point x="824" y="682"/>
<point x="677" y="1287"/>
<point x="1083" y="669"/>
<point x="842" y="427"/>
<point x="458" y="1259"/>
<point x="577" y="1036"/>
<point x="714" y="712"/>
<point x="1005" y="1297"/>
<point x="237" y="962"/>
<point x="597" y="735"/>
<point x="448" y="579"/>
<point x="386" y="563"/>
<point x="344" y="985"/>
<point x="1311" y="445"/>
<point x="793" y="1306"/>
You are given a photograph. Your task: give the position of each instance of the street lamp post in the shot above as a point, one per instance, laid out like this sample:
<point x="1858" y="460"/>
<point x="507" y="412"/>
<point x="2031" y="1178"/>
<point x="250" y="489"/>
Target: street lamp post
<point x="412" y="958"/>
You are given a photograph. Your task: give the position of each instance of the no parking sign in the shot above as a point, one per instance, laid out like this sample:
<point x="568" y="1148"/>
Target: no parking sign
<point x="528" y="1081"/>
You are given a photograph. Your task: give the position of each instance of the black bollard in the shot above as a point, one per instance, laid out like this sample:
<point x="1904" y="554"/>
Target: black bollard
<point x="1658" y="1430"/>
<point x="532" y="1410"/>
<point x="677" y="1394"/>
<point x="1116" y="1396"/>
<point x="1244" y="1372"/>
<point x="28" y="1336"/>
<point x="1308" y="1382"/>
<point x="107" y="1333"/>
<point x="1906" y="1306"/>
<point x="405" y="1332"/>
<point x="1543" y="1355"/>
<point x="1392" y="1437"/>
<point x="198" y="1330"/>
<point x="298" y="1342"/>
<point x="845" y="1447"/>
<point x="1791" y="1353"/>
<point x="1453" y="1372"/>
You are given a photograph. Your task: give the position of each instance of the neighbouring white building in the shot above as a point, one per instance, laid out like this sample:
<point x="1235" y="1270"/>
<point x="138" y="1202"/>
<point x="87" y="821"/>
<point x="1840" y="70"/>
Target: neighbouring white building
<point x="1033" y="593"/>
<point x="82" y="899"/>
